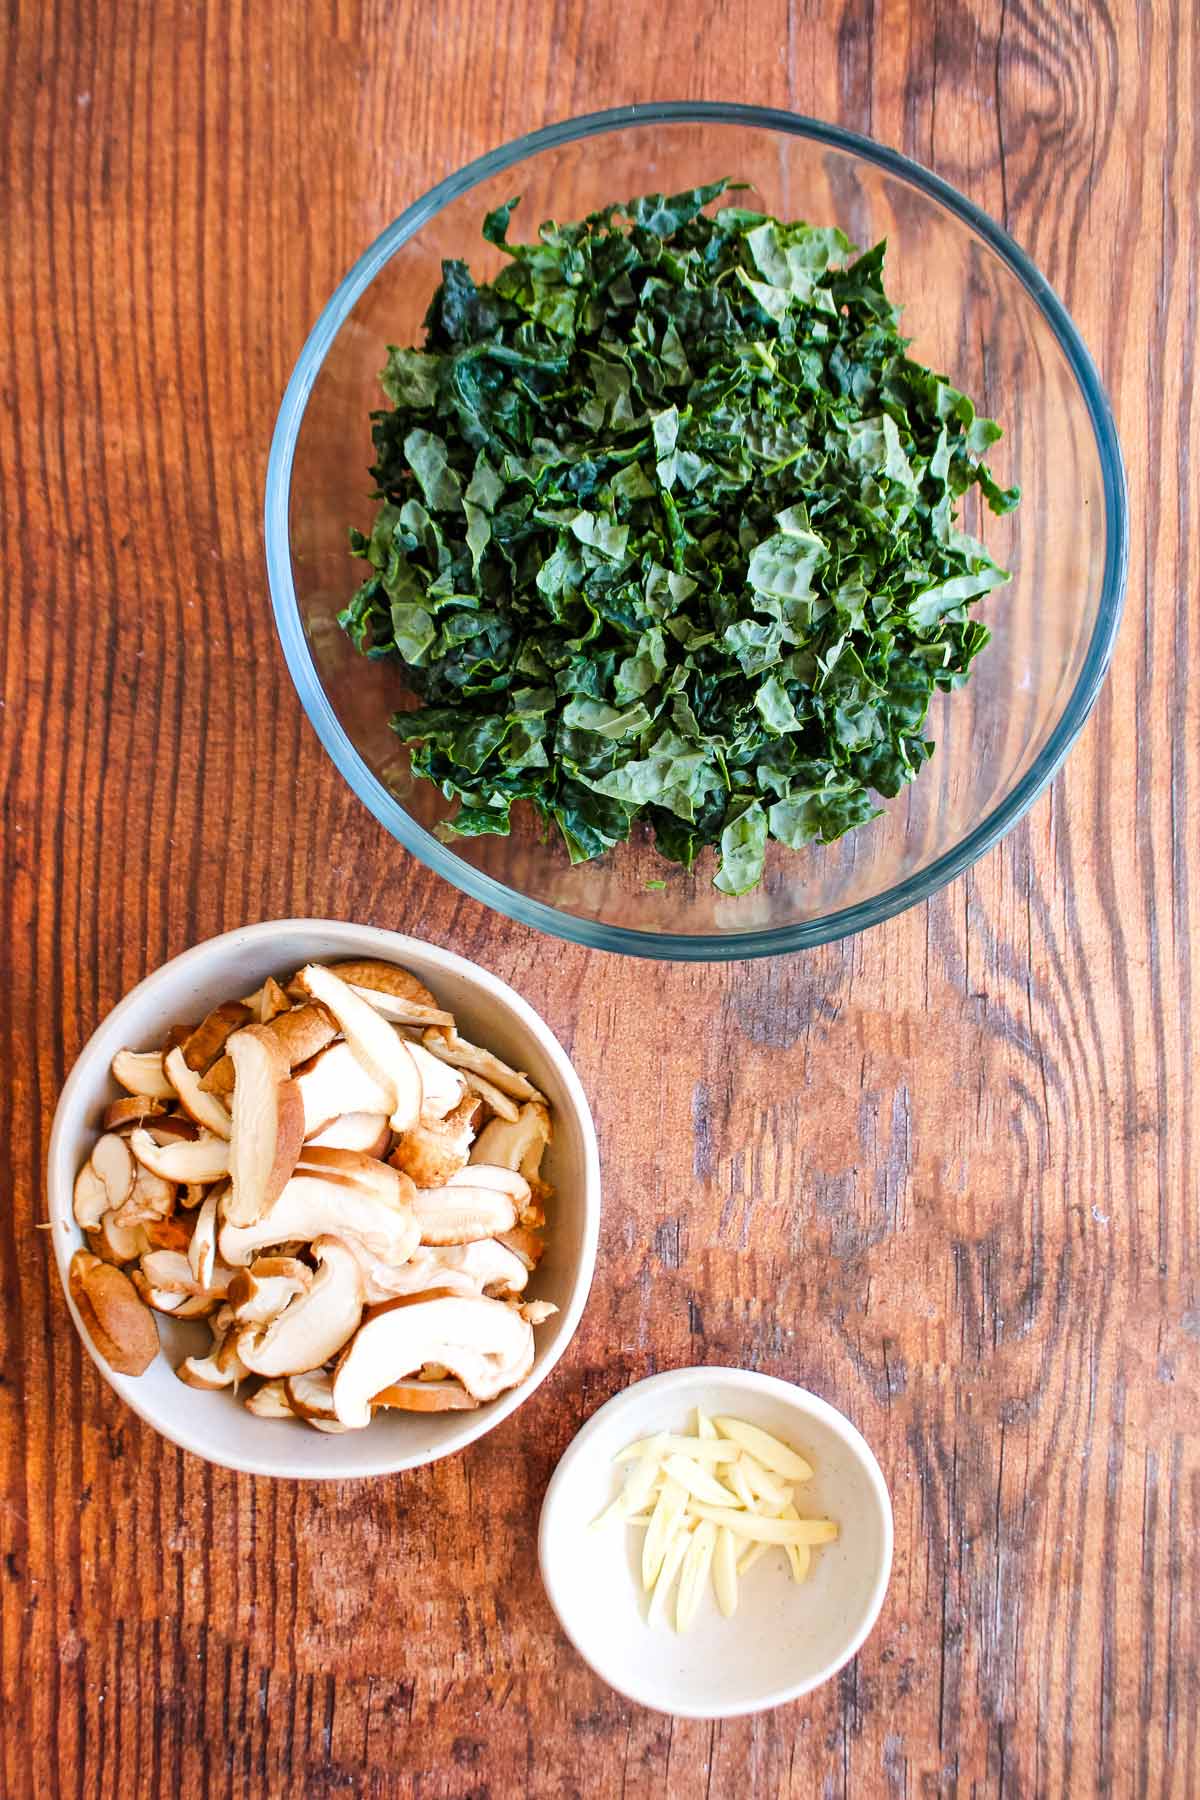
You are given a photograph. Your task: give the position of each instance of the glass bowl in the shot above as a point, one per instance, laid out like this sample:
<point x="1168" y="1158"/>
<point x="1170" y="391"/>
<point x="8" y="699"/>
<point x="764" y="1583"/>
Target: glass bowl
<point x="975" y="308"/>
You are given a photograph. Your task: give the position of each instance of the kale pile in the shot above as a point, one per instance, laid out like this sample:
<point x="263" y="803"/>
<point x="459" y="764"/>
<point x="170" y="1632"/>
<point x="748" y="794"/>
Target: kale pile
<point x="668" y="534"/>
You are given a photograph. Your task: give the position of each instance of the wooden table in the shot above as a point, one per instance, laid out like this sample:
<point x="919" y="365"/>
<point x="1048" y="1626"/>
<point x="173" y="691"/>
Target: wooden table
<point x="944" y="1173"/>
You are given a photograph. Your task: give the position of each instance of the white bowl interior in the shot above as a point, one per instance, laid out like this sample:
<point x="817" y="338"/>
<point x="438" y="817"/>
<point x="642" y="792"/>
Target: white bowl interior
<point x="784" y="1638"/>
<point x="489" y="1012"/>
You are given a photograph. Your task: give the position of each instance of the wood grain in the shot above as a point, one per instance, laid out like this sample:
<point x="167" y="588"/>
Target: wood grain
<point x="944" y="1174"/>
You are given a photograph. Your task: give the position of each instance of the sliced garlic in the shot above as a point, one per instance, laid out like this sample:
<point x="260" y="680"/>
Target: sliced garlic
<point x="694" y="1574"/>
<point x="698" y="1526"/>
<point x="769" y="1451"/>
<point x="725" y="1571"/>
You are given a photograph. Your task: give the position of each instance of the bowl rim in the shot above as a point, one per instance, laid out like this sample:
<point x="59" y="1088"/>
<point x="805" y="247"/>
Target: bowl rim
<point x="290" y="1466"/>
<point x="702" y="946"/>
<point x="803" y="1401"/>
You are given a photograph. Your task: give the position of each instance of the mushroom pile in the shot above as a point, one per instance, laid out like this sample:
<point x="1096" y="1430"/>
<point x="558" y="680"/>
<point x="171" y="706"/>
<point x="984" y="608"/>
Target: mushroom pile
<point x="345" y="1189"/>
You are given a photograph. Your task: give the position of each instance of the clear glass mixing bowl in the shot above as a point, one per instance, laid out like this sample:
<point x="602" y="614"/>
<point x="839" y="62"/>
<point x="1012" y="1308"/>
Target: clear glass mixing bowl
<point x="975" y="308"/>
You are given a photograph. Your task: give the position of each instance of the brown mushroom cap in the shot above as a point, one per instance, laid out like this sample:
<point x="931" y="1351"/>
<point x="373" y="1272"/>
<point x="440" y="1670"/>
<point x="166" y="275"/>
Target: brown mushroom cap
<point x="122" y="1330"/>
<point x="384" y="978"/>
<point x="298" y="1034"/>
<point x="270" y="1401"/>
<point x="268" y="1125"/>
<point x="131" y="1109"/>
<point x="426" y="1396"/>
<point x="203" y="1046"/>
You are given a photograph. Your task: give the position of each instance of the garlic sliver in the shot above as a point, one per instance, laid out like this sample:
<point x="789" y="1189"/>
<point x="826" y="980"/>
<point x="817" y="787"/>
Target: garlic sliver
<point x="663" y="1520"/>
<point x="694" y="1574"/>
<point x="705" y="1450"/>
<point x="724" y="1570"/>
<point x="799" y="1555"/>
<point x="768" y="1531"/>
<point x="698" y="1481"/>
<point x="761" y="1484"/>
<point x="741" y="1487"/>
<point x="676" y="1551"/>
<point x="638" y="1484"/>
<point x="769" y="1451"/>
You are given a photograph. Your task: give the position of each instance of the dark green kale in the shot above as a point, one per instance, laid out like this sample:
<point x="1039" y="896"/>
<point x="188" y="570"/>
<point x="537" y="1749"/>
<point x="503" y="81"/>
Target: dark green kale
<point x="668" y="534"/>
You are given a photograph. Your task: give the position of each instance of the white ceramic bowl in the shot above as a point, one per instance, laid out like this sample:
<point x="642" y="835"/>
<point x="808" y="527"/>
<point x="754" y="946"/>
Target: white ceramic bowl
<point x="214" y="1425"/>
<point x="784" y="1639"/>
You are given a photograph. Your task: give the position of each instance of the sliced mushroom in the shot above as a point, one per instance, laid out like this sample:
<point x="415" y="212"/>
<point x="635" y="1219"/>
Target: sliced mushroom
<point x="165" y="1234"/>
<point x="488" y="1345"/>
<point x="268" y="1125"/>
<point x="452" y="1048"/>
<point x="516" y="1145"/>
<point x="141" y="1072"/>
<point x="259" y="1293"/>
<point x="530" y="1246"/>
<point x="118" y="1244"/>
<point x="336" y="1164"/>
<point x="167" y="1300"/>
<point x="202" y="1108"/>
<point x="537" y="1311"/>
<point x="365" y="1131"/>
<point x="385" y="978"/>
<point x="91" y="1198"/>
<point x="153" y="1198"/>
<point x="270" y="1401"/>
<point x="298" y="1034"/>
<point x="170" y="1272"/>
<point x="131" y="1109"/>
<point x="483" y="1267"/>
<point x="202" y="1249"/>
<point x="114" y="1165"/>
<point x="478" y="1202"/>
<point x="426" y="1396"/>
<point x="310" y="1394"/>
<point x="315" y="1325"/>
<point x="442" y="1087"/>
<point x="502" y="1105"/>
<point x="399" y="1011"/>
<point x="202" y="1158"/>
<point x="313" y="1206"/>
<point x="221" y="1368"/>
<point x="436" y="1149"/>
<point x="122" y="1331"/>
<point x="381" y="1052"/>
<point x="203" y="1046"/>
<point x="334" y="1083"/>
<point x="172" y="1128"/>
<point x="271" y="1001"/>
<point x="445" y="1218"/>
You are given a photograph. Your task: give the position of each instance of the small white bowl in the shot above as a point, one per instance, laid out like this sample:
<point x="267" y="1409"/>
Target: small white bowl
<point x="215" y="1425"/>
<point x="784" y="1639"/>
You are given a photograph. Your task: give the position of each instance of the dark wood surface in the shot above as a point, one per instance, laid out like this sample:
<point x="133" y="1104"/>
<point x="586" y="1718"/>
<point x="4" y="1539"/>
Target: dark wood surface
<point x="944" y="1173"/>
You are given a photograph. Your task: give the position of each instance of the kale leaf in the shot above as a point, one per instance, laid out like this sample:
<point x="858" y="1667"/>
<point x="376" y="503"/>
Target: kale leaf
<point x="667" y="532"/>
